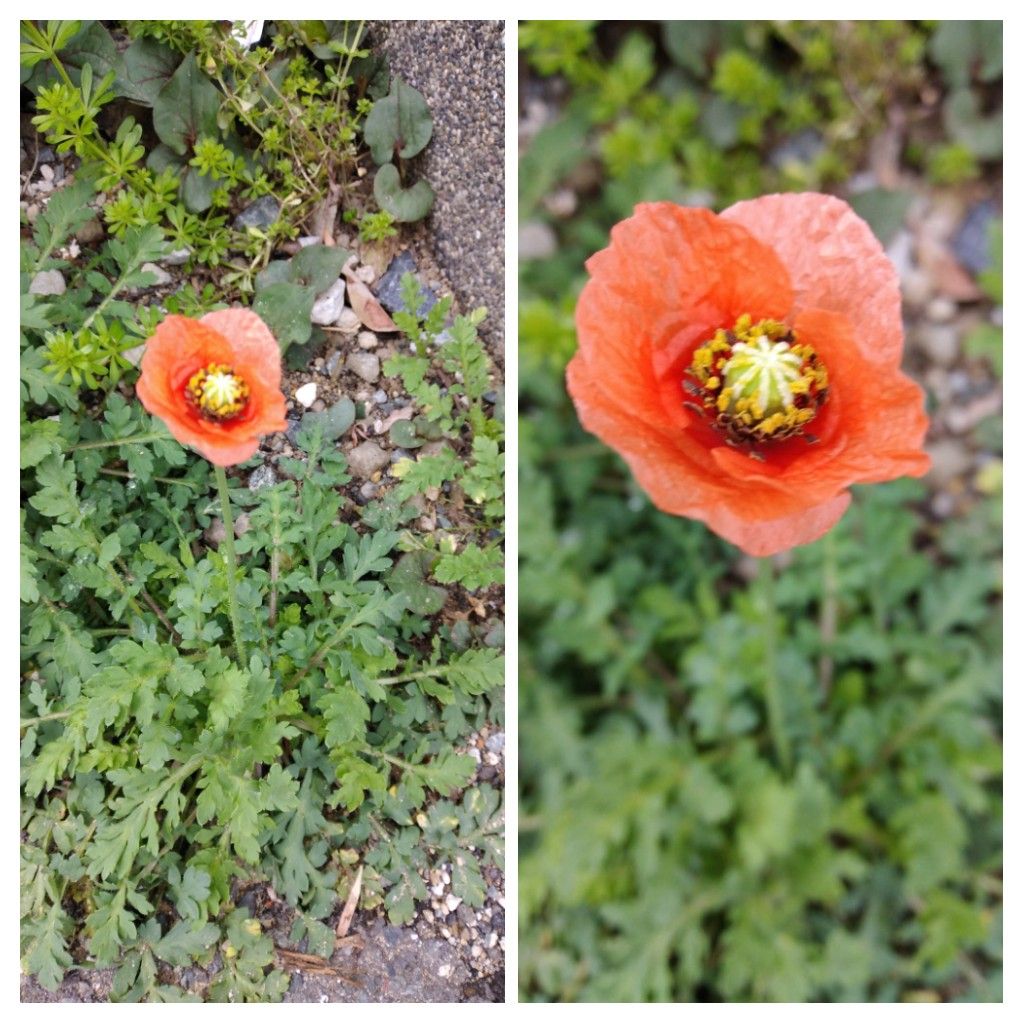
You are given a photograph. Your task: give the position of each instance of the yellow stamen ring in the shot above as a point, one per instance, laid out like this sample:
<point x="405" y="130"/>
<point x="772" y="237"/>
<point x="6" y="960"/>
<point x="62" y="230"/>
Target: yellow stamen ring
<point x="217" y="392"/>
<point x="757" y="382"/>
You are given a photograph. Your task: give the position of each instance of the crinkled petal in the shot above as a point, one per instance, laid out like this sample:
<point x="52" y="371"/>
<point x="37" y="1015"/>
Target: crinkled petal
<point x="834" y="262"/>
<point x="671" y="276"/>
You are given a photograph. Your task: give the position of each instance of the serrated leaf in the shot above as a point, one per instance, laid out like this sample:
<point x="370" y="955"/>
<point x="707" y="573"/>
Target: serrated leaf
<point x="186" y="941"/>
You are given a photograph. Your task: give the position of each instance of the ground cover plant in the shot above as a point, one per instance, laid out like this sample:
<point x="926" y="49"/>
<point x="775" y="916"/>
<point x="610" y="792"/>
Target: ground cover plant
<point x="747" y="779"/>
<point x="254" y="689"/>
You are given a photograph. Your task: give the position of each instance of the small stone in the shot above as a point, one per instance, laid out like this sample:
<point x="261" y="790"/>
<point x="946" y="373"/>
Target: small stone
<point x="91" y="231"/>
<point x="452" y="902"/>
<point x="329" y="304"/>
<point x="950" y="459"/>
<point x="537" y="241"/>
<point x="241" y="524"/>
<point x="380" y="396"/>
<point x="32" y="212"/>
<point x="971" y="242"/>
<point x="389" y="290"/>
<point x="306" y="395"/>
<point x="260" y="214"/>
<point x="178" y="257"/>
<point x="134" y="355"/>
<point x="48" y="282"/>
<point x="367" y="340"/>
<point x="940" y="342"/>
<point x="369" y="490"/>
<point x="365" y="365"/>
<point x="348" y="321"/>
<point x="561" y="203"/>
<point x="802" y="149"/>
<point x="496" y="742"/>
<point x="333" y="364"/>
<point x="444" y="970"/>
<point x="476" y="951"/>
<point x="215" y="533"/>
<point x="918" y="287"/>
<point x="940" y="310"/>
<point x="492" y="940"/>
<point x="47" y="172"/>
<point x="307" y="240"/>
<point x="161" y="276"/>
<point x="366" y="459"/>
<point x="319" y="405"/>
<point x="262" y="476"/>
<point x="366" y="274"/>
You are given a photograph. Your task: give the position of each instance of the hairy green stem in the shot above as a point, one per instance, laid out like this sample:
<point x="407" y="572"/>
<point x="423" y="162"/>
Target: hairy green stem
<point x="772" y="691"/>
<point x="228" y="545"/>
<point x="136" y="439"/>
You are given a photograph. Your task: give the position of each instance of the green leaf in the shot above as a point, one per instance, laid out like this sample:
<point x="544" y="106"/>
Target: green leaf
<point x="404" y="204"/>
<point x="186" y="108"/>
<point x="399" y="123"/>
<point x="286" y="309"/>
<point x="186" y="941"/>
<point x="92" y="46"/>
<point x="448" y="772"/>
<point x="190" y="890"/>
<point x="345" y="715"/>
<point x="317" y="266"/>
<point x="228" y="692"/>
<point x="983" y="136"/>
<point x="45" y="953"/>
<point x="331" y="423"/>
<point x="148" y="67"/>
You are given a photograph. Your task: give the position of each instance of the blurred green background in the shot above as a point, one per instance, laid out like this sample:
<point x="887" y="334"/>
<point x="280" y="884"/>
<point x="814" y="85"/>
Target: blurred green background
<point x="669" y="850"/>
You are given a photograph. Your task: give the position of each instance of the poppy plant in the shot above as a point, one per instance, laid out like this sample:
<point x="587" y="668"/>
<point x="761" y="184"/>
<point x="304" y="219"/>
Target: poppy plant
<point x="746" y="365"/>
<point x="215" y="382"/>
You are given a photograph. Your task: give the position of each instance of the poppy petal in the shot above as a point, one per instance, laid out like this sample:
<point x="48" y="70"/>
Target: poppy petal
<point x="834" y="262"/>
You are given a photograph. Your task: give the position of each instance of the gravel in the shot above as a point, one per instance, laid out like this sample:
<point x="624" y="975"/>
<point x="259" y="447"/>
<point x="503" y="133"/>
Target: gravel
<point x="459" y="66"/>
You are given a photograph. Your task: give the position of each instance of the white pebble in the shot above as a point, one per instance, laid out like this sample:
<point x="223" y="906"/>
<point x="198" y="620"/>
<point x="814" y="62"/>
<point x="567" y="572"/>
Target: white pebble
<point x="306" y="395"/>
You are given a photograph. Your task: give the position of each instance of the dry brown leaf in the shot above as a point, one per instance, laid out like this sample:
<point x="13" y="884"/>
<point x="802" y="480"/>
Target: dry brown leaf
<point x="345" y="921"/>
<point x="366" y="306"/>
<point x="405" y="413"/>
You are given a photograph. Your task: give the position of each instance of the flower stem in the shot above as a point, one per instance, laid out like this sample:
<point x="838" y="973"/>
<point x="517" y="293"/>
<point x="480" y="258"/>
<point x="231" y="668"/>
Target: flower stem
<point x="828" y="614"/>
<point x="228" y="545"/>
<point x="772" y="691"/>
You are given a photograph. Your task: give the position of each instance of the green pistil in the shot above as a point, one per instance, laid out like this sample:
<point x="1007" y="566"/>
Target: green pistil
<point x="757" y="383"/>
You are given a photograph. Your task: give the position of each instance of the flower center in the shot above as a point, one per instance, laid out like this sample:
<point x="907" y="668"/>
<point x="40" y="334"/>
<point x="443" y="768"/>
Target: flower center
<point x="217" y="392"/>
<point x="757" y="382"/>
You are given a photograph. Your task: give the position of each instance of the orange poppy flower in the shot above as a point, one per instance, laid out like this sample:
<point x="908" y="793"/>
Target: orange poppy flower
<point x="215" y="382"/>
<point x="746" y="365"/>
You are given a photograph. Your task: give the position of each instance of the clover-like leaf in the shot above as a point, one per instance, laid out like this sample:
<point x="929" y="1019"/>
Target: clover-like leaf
<point x="404" y="204"/>
<point x="399" y="123"/>
<point x="186" y="107"/>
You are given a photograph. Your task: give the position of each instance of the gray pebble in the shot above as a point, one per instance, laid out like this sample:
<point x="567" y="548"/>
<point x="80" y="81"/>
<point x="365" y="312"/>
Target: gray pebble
<point x="333" y="364"/>
<point x="262" y="476"/>
<point x="364" y="365"/>
<point x="389" y="289"/>
<point x="950" y="459"/>
<point x="91" y="231"/>
<point x="496" y="742"/>
<point x="178" y="257"/>
<point x="161" y="277"/>
<point x="940" y="342"/>
<point x="365" y="459"/>
<point x="260" y="214"/>
<point x="329" y="304"/>
<point x="367" y="340"/>
<point x="970" y="243"/>
<point x="48" y="282"/>
<point x="537" y="241"/>
<point x="380" y="396"/>
<point x="307" y="240"/>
